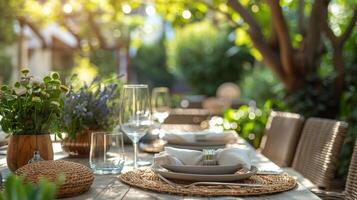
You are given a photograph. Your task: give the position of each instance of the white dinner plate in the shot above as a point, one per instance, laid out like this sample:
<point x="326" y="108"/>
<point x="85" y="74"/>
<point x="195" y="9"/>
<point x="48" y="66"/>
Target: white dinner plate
<point x="200" y="169"/>
<point x="198" y="143"/>
<point x="205" y="177"/>
<point x="197" y="147"/>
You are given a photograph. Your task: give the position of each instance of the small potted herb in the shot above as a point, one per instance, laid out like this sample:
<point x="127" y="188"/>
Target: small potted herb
<point x="30" y="111"/>
<point x="88" y="109"/>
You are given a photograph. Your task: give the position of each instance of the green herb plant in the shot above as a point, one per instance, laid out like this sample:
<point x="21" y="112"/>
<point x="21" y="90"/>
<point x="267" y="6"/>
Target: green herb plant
<point x="32" y="107"/>
<point x="16" y="188"/>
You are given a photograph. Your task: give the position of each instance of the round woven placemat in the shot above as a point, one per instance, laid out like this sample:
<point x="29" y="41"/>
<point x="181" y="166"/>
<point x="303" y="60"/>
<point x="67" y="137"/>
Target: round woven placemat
<point x="147" y="179"/>
<point x="77" y="178"/>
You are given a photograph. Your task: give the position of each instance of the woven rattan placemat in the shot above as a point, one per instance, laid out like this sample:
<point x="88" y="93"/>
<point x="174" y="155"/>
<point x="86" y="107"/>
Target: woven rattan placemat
<point x="147" y="179"/>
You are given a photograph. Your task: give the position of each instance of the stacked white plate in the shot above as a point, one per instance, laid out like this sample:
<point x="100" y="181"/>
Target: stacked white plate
<point x="223" y="173"/>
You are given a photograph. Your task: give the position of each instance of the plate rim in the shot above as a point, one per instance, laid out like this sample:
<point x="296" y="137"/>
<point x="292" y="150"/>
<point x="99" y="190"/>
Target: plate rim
<point x="253" y="170"/>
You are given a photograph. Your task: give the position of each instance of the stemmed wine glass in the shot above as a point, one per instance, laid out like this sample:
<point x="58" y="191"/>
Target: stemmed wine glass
<point x="135" y="114"/>
<point x="161" y="105"/>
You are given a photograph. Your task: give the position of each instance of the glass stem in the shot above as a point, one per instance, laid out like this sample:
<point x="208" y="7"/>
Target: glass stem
<point x="135" y="154"/>
<point x="160" y="134"/>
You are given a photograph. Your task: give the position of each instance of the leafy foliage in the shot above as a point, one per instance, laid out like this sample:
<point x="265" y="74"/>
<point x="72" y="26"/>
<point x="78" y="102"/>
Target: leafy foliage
<point x="8" y="11"/>
<point x="248" y="121"/>
<point x="260" y="85"/>
<point x="150" y="65"/>
<point x="206" y="57"/>
<point x="17" y="189"/>
<point x="32" y="107"/>
<point x="6" y="67"/>
<point x="91" y="106"/>
<point x="105" y="61"/>
<point x="348" y="109"/>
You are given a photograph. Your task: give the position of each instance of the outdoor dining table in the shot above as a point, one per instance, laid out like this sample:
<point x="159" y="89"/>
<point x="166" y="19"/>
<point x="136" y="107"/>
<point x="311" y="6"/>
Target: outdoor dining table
<point x="110" y="187"/>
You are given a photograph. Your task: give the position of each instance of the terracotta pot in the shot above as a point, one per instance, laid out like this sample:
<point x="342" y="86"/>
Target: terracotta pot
<point x="21" y="149"/>
<point x="80" y="146"/>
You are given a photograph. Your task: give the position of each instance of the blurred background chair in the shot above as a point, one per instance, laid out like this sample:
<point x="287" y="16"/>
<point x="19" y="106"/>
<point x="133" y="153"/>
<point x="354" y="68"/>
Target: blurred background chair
<point x="281" y="137"/>
<point x="187" y="116"/>
<point x="317" y="152"/>
<point x="216" y="106"/>
<point x="228" y="91"/>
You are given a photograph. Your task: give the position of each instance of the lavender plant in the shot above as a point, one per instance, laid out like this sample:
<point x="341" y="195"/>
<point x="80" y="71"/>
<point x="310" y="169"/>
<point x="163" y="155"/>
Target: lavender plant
<point x="91" y="106"/>
<point x="32" y="107"/>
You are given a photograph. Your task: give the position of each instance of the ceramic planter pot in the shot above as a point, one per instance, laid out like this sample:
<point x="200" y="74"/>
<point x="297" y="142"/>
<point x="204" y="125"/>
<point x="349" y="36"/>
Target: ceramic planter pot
<point x="80" y="146"/>
<point x="21" y="149"/>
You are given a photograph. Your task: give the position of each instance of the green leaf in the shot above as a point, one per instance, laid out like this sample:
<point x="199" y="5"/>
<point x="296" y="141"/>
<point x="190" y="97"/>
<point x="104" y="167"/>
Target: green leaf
<point x="47" y="79"/>
<point x="17" y="84"/>
<point x="4" y="88"/>
<point x="55" y="75"/>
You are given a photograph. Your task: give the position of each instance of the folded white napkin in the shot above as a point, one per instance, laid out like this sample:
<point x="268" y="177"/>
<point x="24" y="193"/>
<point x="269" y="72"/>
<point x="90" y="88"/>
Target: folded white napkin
<point x="177" y="137"/>
<point x="227" y="156"/>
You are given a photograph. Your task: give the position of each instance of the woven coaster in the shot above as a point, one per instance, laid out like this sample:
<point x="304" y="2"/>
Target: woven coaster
<point x="147" y="179"/>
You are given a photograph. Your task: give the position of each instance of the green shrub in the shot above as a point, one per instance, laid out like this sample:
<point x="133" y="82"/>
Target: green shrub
<point x="151" y="66"/>
<point x="105" y="61"/>
<point x="206" y="58"/>
<point x="5" y="68"/>
<point x="248" y="121"/>
<point x="348" y="106"/>
<point x="261" y="85"/>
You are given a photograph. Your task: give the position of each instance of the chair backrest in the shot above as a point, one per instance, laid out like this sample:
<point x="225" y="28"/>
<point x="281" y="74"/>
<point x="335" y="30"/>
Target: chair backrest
<point x="216" y="106"/>
<point x="351" y="185"/>
<point x="228" y="91"/>
<point x="281" y="137"/>
<point x="318" y="150"/>
<point x="187" y="116"/>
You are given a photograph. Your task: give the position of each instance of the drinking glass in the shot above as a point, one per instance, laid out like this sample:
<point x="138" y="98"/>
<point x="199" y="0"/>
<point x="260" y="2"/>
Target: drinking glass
<point x="161" y="105"/>
<point x="106" y="153"/>
<point x="135" y="114"/>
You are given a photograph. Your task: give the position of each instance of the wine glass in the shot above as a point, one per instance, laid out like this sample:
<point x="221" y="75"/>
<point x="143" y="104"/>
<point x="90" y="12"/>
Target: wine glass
<point x="161" y="105"/>
<point x="135" y="114"/>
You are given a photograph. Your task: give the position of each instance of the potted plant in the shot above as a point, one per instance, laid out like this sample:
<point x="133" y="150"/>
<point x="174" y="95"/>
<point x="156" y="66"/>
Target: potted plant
<point x="30" y="111"/>
<point x="88" y="109"/>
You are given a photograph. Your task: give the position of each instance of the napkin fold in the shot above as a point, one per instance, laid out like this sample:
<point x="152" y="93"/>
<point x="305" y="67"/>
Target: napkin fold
<point x="226" y="156"/>
<point x="180" y="137"/>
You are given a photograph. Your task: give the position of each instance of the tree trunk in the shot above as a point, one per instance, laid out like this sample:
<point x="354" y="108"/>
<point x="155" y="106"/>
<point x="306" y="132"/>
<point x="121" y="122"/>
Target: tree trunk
<point x="338" y="64"/>
<point x="22" y="49"/>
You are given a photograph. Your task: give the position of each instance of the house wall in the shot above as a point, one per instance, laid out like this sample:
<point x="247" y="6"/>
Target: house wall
<point x="40" y="62"/>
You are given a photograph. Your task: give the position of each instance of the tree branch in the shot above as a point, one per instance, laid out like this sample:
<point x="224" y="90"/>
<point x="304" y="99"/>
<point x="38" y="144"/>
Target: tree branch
<point x="236" y="6"/>
<point x="342" y="39"/>
<point x="329" y="33"/>
<point x="273" y="38"/>
<point x="301" y="17"/>
<point x="279" y="23"/>
<point x="313" y="35"/>
<point x="73" y="32"/>
<point x="271" y="58"/>
<point x="35" y="30"/>
<point x="227" y="15"/>
<point x="96" y="30"/>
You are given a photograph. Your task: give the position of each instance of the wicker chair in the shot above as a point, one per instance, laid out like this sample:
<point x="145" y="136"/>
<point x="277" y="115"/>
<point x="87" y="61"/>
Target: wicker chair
<point x="282" y="130"/>
<point x="351" y="185"/>
<point x="317" y="153"/>
<point x="350" y="192"/>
